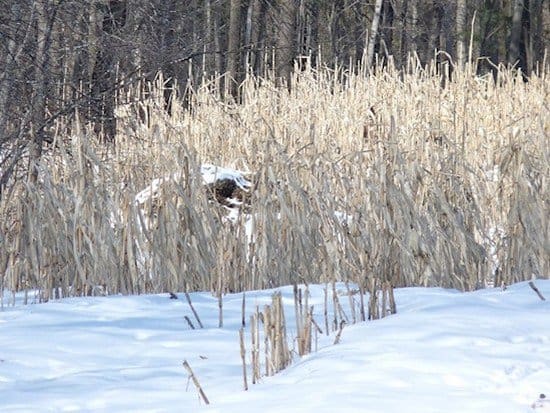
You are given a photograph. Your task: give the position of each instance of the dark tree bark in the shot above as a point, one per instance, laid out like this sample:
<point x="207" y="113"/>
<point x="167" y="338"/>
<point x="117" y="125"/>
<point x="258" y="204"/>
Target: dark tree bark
<point x="447" y="37"/>
<point x="312" y="42"/>
<point x="45" y="16"/>
<point x="208" y="36"/>
<point x="286" y="39"/>
<point x="515" y="32"/>
<point x="461" y="32"/>
<point x="387" y="32"/>
<point x="169" y="17"/>
<point x="374" y="32"/>
<point x="233" y="45"/>
<point x="104" y="74"/>
<point x="260" y="36"/>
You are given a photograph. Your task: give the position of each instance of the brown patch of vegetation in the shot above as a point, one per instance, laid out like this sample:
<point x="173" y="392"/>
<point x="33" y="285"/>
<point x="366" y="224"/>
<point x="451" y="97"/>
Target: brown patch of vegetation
<point x="465" y="210"/>
<point x="227" y="192"/>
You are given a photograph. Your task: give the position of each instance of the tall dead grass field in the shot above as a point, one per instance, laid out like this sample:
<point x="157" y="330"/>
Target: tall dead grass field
<point x="412" y="179"/>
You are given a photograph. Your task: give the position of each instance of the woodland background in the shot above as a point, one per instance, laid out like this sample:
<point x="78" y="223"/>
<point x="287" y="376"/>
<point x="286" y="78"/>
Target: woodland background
<point x="62" y="58"/>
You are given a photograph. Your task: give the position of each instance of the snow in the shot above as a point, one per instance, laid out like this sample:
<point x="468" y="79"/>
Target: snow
<point x="152" y="191"/>
<point x="210" y="174"/>
<point x="444" y="351"/>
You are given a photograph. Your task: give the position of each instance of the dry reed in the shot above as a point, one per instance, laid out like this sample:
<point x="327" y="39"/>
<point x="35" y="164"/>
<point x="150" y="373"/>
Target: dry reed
<point x="391" y="177"/>
<point x="195" y="382"/>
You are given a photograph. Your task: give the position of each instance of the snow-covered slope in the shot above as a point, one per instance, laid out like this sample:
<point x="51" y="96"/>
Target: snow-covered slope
<point x="445" y="351"/>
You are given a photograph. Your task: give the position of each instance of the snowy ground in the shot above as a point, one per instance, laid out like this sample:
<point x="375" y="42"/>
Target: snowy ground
<point x="487" y="351"/>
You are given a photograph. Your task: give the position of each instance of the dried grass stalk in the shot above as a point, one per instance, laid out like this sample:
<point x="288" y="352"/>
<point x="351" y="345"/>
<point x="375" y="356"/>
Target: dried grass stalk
<point x="389" y="176"/>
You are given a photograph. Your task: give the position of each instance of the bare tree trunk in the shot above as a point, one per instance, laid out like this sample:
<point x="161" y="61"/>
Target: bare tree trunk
<point x="433" y="34"/>
<point x="447" y="41"/>
<point x="250" y="11"/>
<point x="515" y="33"/>
<point x="14" y="123"/>
<point x="387" y="28"/>
<point x="233" y="43"/>
<point x="300" y="30"/>
<point x="536" y="26"/>
<point x="7" y="76"/>
<point x="44" y="23"/>
<point x="208" y="35"/>
<point x="261" y="38"/>
<point x="409" y="30"/>
<point x="374" y="32"/>
<point x="313" y="35"/>
<point x="413" y="5"/>
<point x="169" y="25"/>
<point x="461" y="32"/>
<point x="286" y="39"/>
<point x="331" y="24"/>
<point x="104" y="72"/>
<point x="400" y="39"/>
<point x="217" y="46"/>
<point x="255" y="20"/>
